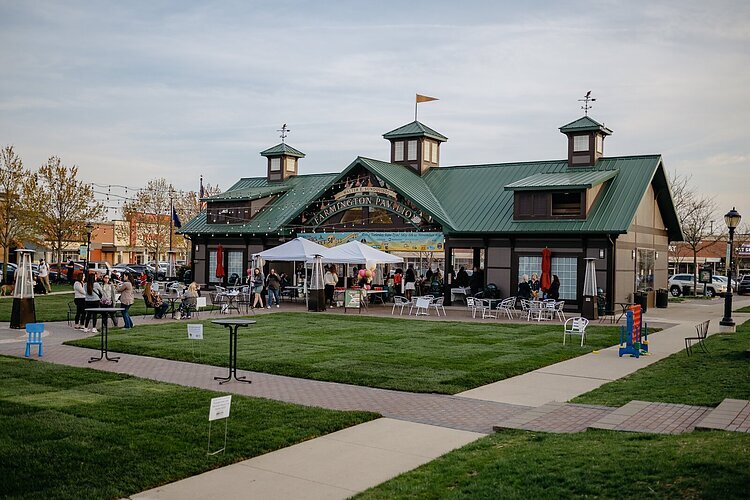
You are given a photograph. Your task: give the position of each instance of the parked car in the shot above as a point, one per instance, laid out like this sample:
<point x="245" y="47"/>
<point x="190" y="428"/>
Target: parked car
<point x="743" y="286"/>
<point x="100" y="267"/>
<point x="678" y="281"/>
<point x="59" y="272"/>
<point x="8" y="272"/>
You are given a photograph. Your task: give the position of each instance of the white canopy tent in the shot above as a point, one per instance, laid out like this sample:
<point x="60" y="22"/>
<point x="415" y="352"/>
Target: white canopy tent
<point x="355" y="252"/>
<point x="296" y="250"/>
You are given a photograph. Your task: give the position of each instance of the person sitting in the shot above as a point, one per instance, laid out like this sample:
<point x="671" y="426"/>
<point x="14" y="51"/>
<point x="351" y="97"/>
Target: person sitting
<point x="524" y="288"/>
<point x="189" y="301"/>
<point x="153" y="299"/>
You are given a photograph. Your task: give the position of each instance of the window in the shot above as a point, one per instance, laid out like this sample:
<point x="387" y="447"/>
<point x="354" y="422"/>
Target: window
<point x="234" y="264"/>
<point x="549" y="205"/>
<point x="580" y="143"/>
<point x="412" y="150"/>
<point x="275" y="164"/>
<point x="398" y="151"/>
<point x="434" y="152"/>
<point x="566" y="204"/>
<point x="566" y="268"/>
<point x="290" y="163"/>
<point x="645" y="269"/>
<point x="426" y="151"/>
<point x="212" y="267"/>
<point x="599" y="144"/>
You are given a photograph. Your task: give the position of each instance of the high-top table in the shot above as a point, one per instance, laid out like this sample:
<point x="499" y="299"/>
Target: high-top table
<point x="103" y="312"/>
<point x="233" y="325"/>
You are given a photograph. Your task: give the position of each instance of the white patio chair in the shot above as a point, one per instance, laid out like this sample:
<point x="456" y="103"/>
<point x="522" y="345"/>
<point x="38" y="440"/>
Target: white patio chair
<point x="438" y="304"/>
<point x="422" y="306"/>
<point x="508" y="306"/>
<point x="547" y="310"/>
<point x="401" y="302"/>
<point x="576" y="326"/>
<point x="559" y="310"/>
<point x="471" y="305"/>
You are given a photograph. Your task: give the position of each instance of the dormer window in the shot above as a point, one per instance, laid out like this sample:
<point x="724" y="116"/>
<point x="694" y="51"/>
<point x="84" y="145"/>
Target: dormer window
<point x="398" y="150"/>
<point x="599" y="144"/>
<point x="275" y="164"/>
<point x="290" y="164"/>
<point x="412" y="151"/>
<point x="549" y="205"/>
<point x="580" y="143"/>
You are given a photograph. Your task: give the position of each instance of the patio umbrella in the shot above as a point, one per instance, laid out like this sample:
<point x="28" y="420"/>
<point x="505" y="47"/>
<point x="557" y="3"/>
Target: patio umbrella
<point x="546" y="279"/>
<point x="220" y="262"/>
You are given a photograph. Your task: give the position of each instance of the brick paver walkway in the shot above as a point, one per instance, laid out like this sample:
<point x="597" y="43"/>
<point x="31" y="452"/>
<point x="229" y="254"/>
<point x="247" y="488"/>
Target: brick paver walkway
<point x="453" y="412"/>
<point x="730" y="415"/>
<point x="556" y="417"/>
<point x="660" y="418"/>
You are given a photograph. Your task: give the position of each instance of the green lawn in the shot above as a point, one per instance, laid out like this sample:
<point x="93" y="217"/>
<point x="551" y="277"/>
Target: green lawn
<point x="80" y="433"/>
<point x="745" y="309"/>
<point x="600" y="464"/>
<point x="55" y="307"/>
<point x="410" y="355"/>
<point x="701" y="379"/>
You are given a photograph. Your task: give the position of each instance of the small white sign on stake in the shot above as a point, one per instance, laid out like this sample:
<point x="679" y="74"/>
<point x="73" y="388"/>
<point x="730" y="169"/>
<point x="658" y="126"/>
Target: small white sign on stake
<point x="195" y="331"/>
<point x="219" y="410"/>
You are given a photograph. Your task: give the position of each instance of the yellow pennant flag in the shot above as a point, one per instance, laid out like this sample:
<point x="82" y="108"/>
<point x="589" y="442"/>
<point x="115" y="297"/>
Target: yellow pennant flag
<point x="424" y="98"/>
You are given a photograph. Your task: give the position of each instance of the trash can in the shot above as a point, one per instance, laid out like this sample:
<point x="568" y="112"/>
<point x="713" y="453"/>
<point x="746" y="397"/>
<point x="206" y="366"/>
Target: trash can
<point x="662" y="298"/>
<point x="641" y="299"/>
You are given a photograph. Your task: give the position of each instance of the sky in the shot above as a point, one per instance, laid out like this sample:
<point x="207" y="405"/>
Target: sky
<point x="133" y="91"/>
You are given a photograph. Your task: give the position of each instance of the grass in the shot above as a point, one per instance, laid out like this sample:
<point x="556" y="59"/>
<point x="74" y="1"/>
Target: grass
<point x="55" y="307"/>
<point x="80" y="433"/>
<point x="411" y="355"/>
<point x="601" y="464"/>
<point x="745" y="309"/>
<point x="703" y="379"/>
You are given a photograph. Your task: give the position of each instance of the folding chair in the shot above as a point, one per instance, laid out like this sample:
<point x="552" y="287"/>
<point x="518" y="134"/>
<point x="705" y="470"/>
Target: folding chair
<point x="35" y="331"/>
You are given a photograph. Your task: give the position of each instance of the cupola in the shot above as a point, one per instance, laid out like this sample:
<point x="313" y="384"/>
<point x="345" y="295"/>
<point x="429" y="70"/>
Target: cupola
<point x="415" y="145"/>
<point x="585" y="141"/>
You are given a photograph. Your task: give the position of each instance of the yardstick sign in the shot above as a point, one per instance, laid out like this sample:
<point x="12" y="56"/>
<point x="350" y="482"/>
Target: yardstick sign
<point x="365" y="196"/>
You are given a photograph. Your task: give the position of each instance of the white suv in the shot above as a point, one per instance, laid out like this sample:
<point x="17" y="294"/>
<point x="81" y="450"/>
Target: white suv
<point x="676" y="282"/>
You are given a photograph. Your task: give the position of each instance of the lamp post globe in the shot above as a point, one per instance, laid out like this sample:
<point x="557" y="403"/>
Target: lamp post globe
<point x="732" y="219"/>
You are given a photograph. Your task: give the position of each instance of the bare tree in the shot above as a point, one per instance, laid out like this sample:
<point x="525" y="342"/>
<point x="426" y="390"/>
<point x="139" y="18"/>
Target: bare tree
<point x="13" y="205"/>
<point x="63" y="204"/>
<point x="697" y="214"/>
<point x="149" y="217"/>
<point x="188" y="205"/>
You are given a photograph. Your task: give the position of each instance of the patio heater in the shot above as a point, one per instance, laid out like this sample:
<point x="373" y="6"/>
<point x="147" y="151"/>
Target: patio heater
<point x="317" y="294"/>
<point x="23" y="310"/>
<point x="590" y="304"/>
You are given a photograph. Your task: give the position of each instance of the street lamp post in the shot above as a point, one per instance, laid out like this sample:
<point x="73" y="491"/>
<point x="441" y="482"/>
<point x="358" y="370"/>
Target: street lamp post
<point x="89" y="230"/>
<point x="732" y="218"/>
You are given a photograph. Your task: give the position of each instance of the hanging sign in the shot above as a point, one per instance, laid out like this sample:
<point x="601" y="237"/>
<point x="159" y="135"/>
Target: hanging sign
<point x="375" y="201"/>
<point x="195" y="331"/>
<point x="219" y="408"/>
<point x="400" y="241"/>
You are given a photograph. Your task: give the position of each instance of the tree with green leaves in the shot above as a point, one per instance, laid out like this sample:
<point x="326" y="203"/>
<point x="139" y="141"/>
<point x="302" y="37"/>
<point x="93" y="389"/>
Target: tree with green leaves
<point x="13" y="203"/>
<point x="63" y="205"/>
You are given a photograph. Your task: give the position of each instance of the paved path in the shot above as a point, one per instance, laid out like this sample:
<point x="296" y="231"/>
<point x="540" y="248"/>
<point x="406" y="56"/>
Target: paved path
<point x="422" y="427"/>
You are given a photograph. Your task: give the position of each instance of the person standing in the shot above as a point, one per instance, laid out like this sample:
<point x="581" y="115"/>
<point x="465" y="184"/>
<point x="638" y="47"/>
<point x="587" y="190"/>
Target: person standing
<point x="44" y="275"/>
<point x="273" y="283"/>
<point x="410" y="280"/>
<point x="524" y="288"/>
<point x="126" y="299"/>
<point x="535" y="285"/>
<point x="257" y="288"/>
<point x="108" y="299"/>
<point x="462" y="278"/>
<point x="330" y="280"/>
<point x="554" y="288"/>
<point x="79" y="298"/>
<point x="93" y="298"/>
<point x="476" y="281"/>
<point x="69" y="268"/>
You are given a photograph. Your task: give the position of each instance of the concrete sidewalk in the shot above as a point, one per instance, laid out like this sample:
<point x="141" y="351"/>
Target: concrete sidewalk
<point x="349" y="461"/>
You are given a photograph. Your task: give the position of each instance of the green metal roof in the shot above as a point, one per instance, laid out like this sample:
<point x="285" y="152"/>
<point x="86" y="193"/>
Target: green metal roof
<point x="476" y="202"/>
<point x="471" y="199"/>
<point x="300" y="191"/>
<point x="415" y="129"/>
<point x="250" y="193"/>
<point x="584" y="124"/>
<point x="282" y="149"/>
<point x="583" y="179"/>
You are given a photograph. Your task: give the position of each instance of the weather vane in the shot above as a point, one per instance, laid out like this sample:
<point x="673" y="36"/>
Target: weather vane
<point x="587" y="99"/>
<point x="284" y="132"/>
